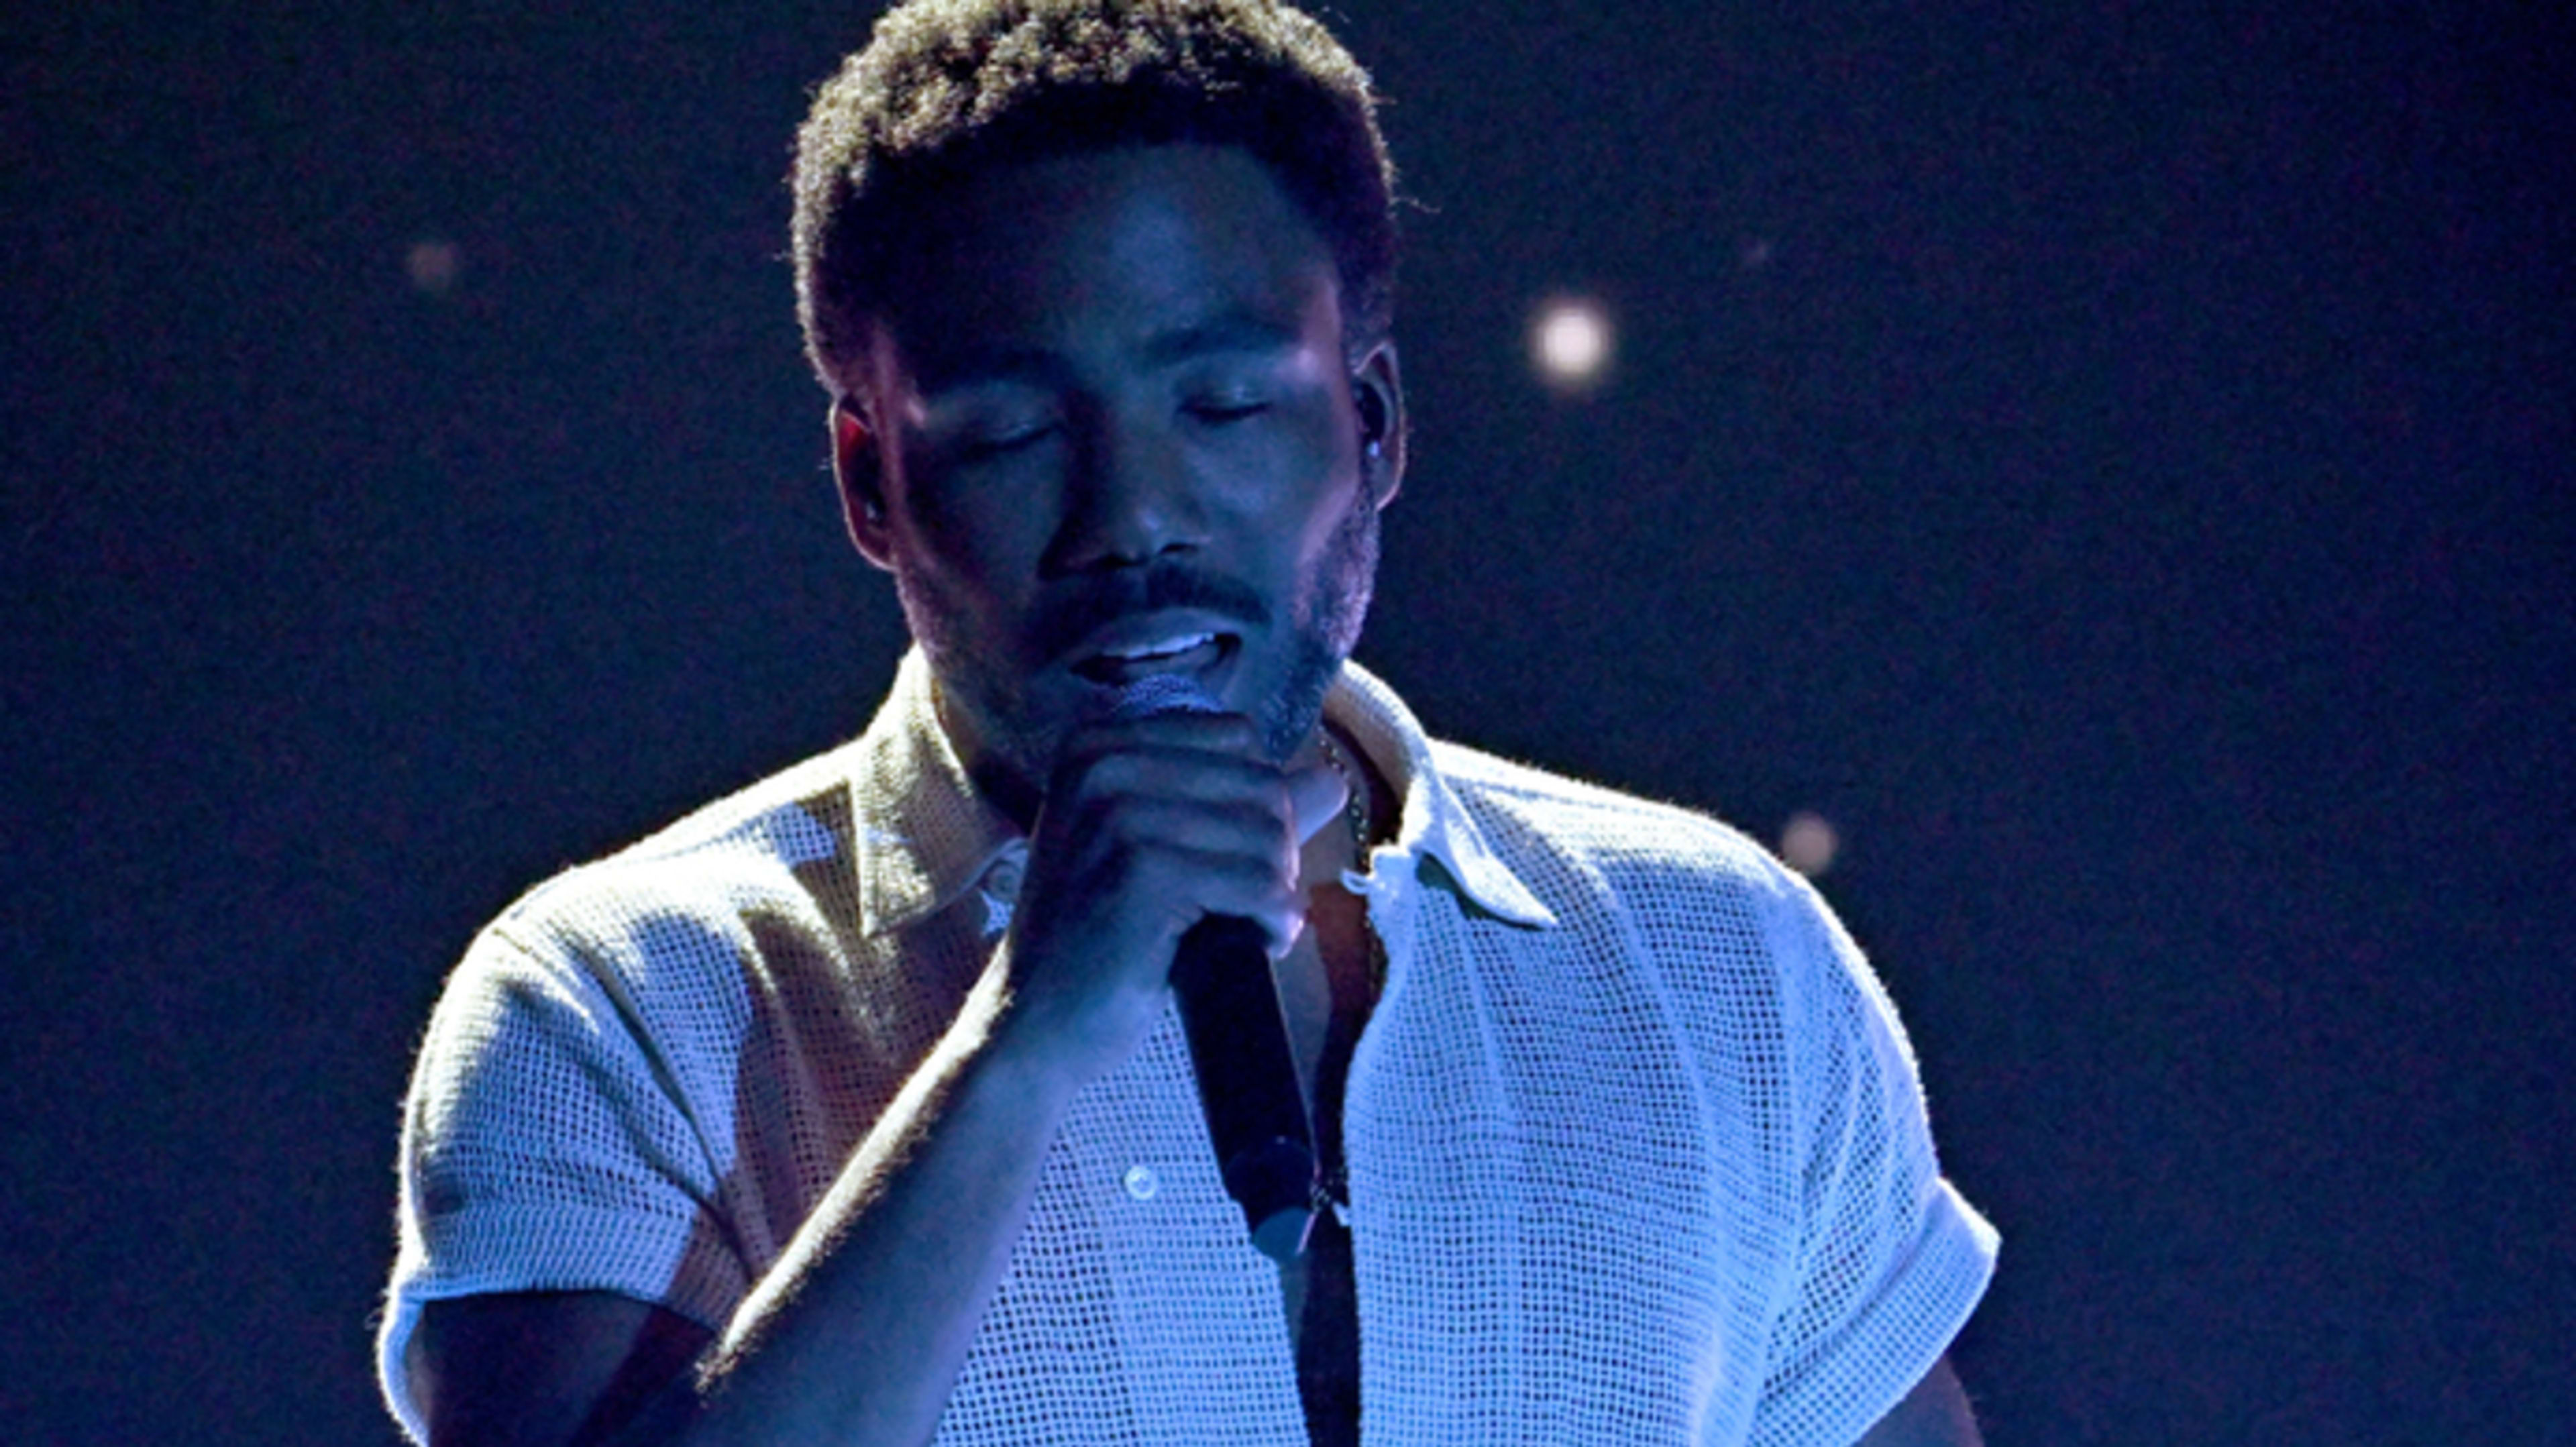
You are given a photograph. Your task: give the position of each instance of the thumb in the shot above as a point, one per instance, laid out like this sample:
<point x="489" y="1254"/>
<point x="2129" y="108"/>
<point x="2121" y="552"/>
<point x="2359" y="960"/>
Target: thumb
<point x="1319" y="794"/>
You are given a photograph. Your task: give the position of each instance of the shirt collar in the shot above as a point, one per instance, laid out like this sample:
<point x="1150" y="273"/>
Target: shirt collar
<point x="926" y="834"/>
<point x="1436" y="823"/>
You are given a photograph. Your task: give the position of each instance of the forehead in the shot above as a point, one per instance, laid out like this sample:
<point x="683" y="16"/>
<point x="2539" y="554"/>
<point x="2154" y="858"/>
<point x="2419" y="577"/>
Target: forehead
<point x="1095" y="257"/>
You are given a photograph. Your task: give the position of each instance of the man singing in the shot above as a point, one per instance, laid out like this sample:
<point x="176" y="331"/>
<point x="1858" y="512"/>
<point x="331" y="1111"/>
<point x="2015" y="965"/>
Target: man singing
<point x="855" y="1108"/>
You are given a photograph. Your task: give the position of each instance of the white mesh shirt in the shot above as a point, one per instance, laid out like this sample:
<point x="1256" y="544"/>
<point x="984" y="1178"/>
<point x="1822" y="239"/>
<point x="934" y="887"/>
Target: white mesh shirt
<point x="1636" y="1148"/>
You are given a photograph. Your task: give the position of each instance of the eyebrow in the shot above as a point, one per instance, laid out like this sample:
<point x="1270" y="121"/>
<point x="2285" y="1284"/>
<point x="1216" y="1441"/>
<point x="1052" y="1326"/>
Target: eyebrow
<point x="982" y="367"/>
<point x="1235" y="330"/>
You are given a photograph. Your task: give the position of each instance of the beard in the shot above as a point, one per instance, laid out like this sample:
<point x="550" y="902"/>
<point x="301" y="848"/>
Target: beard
<point x="1323" y="627"/>
<point x="985" y="679"/>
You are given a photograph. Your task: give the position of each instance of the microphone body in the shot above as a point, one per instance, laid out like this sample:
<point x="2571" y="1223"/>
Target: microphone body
<point x="1256" y="1111"/>
<point x="1238" y="1039"/>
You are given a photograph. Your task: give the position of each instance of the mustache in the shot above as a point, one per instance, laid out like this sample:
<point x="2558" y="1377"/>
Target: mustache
<point x="1081" y="611"/>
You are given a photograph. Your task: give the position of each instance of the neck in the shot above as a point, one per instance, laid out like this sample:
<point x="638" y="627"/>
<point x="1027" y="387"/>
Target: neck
<point x="1008" y="787"/>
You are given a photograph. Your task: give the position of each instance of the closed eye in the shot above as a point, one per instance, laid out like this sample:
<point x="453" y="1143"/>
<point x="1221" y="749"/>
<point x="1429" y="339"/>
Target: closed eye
<point x="1225" y="409"/>
<point x="1001" y="441"/>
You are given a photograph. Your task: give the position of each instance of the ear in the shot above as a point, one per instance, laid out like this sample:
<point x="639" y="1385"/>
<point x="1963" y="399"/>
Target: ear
<point x="1377" y="394"/>
<point x="859" y="468"/>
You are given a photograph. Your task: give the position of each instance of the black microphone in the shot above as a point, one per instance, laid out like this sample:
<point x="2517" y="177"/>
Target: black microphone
<point x="1229" y="1005"/>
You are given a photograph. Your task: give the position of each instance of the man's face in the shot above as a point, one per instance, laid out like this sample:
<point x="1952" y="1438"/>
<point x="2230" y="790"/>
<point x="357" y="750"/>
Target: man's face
<point x="1115" y="434"/>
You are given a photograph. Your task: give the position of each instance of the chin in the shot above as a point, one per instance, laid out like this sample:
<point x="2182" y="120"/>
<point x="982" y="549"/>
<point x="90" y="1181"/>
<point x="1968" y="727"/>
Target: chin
<point x="1287" y="715"/>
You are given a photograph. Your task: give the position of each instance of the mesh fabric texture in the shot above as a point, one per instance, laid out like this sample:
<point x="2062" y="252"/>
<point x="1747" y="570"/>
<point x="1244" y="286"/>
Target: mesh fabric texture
<point x="1636" y="1148"/>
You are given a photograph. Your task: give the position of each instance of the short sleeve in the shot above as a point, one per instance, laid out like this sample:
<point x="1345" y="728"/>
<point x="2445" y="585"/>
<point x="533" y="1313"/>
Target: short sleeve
<point x="546" y="1149"/>
<point x="1890" y="1259"/>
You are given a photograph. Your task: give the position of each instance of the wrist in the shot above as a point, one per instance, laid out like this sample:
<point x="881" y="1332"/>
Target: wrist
<point x="1025" y="1050"/>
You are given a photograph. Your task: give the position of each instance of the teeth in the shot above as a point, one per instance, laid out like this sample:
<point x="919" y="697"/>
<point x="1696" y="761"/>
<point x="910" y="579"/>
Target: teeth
<point x="1164" y="649"/>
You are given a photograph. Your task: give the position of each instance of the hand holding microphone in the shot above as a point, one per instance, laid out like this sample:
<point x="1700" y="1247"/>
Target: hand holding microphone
<point x="1167" y="852"/>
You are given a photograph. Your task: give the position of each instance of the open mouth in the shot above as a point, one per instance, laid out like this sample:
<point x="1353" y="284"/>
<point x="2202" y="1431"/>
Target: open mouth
<point x="1187" y="651"/>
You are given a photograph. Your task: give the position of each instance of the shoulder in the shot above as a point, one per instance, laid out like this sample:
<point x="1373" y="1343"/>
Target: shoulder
<point x="661" y="940"/>
<point x="1536" y="819"/>
<point x="1746" y="944"/>
<point x="767" y="846"/>
<point x="610" y="1003"/>
<point x="1520" y="836"/>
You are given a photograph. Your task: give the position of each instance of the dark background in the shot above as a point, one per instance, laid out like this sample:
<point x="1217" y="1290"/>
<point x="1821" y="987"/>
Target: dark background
<point x="2112" y="461"/>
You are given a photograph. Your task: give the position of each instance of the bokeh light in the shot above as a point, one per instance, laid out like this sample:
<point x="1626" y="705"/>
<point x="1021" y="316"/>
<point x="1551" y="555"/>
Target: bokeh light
<point x="1571" y="343"/>
<point x="1808" y="843"/>
<point x="433" y="265"/>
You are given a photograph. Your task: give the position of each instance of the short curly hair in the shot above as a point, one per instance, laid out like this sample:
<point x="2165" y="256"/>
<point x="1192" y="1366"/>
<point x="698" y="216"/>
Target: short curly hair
<point x="947" y="87"/>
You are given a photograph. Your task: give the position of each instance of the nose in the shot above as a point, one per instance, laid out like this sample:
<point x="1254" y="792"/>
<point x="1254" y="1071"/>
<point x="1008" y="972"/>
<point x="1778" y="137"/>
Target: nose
<point x="1131" y="497"/>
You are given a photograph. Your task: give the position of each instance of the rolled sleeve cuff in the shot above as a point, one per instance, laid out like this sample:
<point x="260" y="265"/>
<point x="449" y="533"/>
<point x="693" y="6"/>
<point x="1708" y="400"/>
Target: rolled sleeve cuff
<point x="1892" y="1341"/>
<point x="679" y="1265"/>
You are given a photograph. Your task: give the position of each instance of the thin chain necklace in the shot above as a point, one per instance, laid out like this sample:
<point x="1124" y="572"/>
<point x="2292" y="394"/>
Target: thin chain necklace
<point x="1356" y="812"/>
<point x="1333" y="1184"/>
<point x="1355" y="804"/>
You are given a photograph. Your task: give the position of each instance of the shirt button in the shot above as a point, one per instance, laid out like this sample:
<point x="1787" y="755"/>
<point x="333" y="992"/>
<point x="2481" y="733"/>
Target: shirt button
<point x="1002" y="881"/>
<point x="1141" y="1183"/>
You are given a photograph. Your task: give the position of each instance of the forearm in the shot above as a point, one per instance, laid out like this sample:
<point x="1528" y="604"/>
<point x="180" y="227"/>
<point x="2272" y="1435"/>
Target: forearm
<point x="1934" y="1414"/>
<point x="858" y="1332"/>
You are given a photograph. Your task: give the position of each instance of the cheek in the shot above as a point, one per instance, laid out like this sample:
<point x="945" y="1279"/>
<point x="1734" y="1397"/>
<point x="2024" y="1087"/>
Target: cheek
<point x="1324" y="523"/>
<point x="960" y="598"/>
<point x="1317" y="481"/>
<point x="978" y="546"/>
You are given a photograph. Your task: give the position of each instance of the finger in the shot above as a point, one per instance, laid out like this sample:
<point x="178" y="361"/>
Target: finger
<point x="1252" y="829"/>
<point x="1319" y="795"/>
<point x="1179" y="771"/>
<point x="1227" y="733"/>
<point x="1214" y="883"/>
